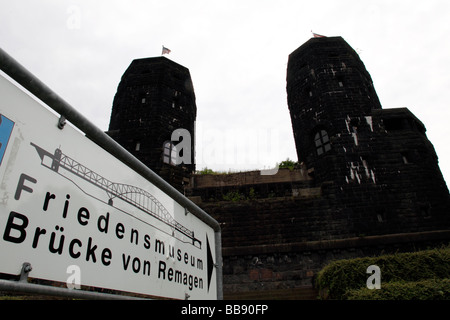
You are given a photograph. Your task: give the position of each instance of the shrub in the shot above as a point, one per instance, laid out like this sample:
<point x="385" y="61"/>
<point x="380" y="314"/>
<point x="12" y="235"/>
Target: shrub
<point x="289" y="164"/>
<point x="335" y="279"/>
<point x="431" y="289"/>
<point x="233" y="196"/>
<point x="206" y="170"/>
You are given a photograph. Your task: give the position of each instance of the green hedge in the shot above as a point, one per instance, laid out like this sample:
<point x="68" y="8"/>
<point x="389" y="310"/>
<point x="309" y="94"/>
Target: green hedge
<point x="335" y="279"/>
<point x="432" y="289"/>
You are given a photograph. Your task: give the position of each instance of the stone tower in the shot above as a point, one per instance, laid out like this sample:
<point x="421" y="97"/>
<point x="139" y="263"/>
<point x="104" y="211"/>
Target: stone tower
<point x="376" y="165"/>
<point x="328" y="89"/>
<point x="155" y="97"/>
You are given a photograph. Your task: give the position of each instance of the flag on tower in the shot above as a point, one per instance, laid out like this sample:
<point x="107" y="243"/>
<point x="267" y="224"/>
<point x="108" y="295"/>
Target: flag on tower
<point x="165" y="50"/>
<point x="316" y="35"/>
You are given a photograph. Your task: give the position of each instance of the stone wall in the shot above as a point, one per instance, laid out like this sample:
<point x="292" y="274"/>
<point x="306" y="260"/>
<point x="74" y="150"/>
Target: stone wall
<point x="288" y="271"/>
<point x="274" y="246"/>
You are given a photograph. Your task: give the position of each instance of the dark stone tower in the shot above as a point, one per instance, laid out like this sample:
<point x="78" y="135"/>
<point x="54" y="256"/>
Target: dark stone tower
<point x="376" y="166"/>
<point x="328" y="89"/>
<point x="155" y="97"/>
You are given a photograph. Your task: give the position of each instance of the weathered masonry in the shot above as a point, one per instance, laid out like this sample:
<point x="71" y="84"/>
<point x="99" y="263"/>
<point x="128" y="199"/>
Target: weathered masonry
<point x="368" y="179"/>
<point x="379" y="163"/>
<point x="155" y="97"/>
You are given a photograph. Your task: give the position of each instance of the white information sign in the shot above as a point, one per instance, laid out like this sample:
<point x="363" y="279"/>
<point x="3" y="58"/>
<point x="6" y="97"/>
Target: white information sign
<point x="81" y="217"/>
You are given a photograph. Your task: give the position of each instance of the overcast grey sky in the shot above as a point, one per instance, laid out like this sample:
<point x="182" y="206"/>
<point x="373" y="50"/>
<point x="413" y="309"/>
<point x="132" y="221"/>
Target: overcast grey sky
<point x="237" y="54"/>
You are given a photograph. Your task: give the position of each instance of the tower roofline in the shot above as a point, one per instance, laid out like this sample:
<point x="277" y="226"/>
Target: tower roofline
<point x="156" y="59"/>
<point x="317" y="43"/>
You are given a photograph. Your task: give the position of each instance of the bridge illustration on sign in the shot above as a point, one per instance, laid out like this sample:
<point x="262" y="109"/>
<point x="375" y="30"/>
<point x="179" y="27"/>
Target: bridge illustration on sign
<point x="135" y="196"/>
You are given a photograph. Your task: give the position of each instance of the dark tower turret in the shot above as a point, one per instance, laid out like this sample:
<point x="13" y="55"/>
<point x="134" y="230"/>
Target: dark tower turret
<point x="328" y="88"/>
<point x="377" y="166"/>
<point x="154" y="98"/>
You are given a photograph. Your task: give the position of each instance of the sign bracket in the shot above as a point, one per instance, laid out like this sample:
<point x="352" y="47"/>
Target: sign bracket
<point x="61" y="122"/>
<point x="26" y="269"/>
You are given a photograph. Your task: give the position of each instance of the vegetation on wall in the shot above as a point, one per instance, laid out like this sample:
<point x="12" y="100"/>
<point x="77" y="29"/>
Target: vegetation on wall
<point x="288" y="164"/>
<point x="285" y="164"/>
<point x="206" y="170"/>
<point x="238" y="196"/>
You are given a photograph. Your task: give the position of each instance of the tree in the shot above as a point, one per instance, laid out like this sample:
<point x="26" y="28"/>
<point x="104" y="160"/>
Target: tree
<point x="289" y="164"/>
<point x="205" y="170"/>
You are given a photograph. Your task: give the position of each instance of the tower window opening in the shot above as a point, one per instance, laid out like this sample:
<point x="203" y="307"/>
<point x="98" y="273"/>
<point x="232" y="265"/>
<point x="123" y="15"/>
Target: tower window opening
<point x="408" y="156"/>
<point x="405" y="158"/>
<point x="354" y="124"/>
<point x="169" y="153"/>
<point x="322" y="142"/>
<point x="340" y="80"/>
<point x="308" y="91"/>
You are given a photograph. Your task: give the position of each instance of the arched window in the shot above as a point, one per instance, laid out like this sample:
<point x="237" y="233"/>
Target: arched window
<point x="169" y="153"/>
<point x="322" y="142"/>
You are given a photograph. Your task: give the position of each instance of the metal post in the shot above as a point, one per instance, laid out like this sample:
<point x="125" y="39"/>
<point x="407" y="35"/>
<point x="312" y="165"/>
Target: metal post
<point x="36" y="87"/>
<point x="219" y="264"/>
